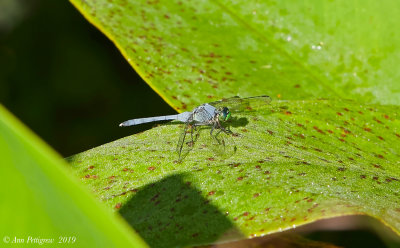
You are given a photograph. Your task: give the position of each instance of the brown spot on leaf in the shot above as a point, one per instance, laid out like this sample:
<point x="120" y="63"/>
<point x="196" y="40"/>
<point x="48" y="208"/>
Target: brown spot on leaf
<point x="367" y="129"/>
<point x="377" y="120"/>
<point x="377" y="166"/>
<point x="318" y="130"/>
<point x="288" y="113"/>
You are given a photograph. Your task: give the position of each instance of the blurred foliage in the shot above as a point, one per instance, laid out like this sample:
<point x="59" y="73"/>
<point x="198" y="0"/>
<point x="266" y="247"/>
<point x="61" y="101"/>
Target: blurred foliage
<point x="67" y="82"/>
<point x="45" y="201"/>
<point x="12" y="12"/>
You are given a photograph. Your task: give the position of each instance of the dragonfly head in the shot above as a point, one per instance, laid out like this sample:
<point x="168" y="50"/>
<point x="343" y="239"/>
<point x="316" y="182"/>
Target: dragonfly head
<point x="226" y="114"/>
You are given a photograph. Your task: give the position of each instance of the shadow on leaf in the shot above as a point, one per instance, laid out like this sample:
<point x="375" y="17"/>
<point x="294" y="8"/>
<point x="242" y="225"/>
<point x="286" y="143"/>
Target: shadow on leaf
<point x="171" y="213"/>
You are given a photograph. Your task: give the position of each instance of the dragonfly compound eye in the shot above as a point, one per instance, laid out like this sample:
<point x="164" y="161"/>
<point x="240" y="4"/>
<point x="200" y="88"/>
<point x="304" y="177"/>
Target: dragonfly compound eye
<point x="226" y="113"/>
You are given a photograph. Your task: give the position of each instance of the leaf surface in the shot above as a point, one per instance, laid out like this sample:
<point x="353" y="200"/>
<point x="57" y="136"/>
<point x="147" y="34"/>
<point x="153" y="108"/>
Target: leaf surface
<point x="194" y="51"/>
<point x="293" y="162"/>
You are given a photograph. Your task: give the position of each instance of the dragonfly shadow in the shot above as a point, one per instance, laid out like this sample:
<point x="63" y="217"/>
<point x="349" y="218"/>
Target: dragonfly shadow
<point x="236" y="122"/>
<point x="171" y="212"/>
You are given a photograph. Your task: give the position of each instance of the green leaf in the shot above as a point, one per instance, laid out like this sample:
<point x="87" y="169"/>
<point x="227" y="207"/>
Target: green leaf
<point x="39" y="199"/>
<point x="293" y="162"/>
<point x="191" y="51"/>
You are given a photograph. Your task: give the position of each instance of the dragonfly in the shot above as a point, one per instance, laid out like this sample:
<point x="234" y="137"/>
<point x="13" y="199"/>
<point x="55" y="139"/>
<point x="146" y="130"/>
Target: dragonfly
<point x="209" y="114"/>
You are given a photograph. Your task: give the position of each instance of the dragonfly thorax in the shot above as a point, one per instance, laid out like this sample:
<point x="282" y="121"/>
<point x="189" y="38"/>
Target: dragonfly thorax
<point x="205" y="114"/>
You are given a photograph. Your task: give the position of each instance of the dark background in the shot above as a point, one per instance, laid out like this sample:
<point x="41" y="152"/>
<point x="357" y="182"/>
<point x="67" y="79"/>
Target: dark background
<point x="68" y="83"/>
<point x="65" y="80"/>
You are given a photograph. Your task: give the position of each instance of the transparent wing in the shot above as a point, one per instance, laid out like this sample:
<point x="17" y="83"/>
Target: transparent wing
<point x="237" y="104"/>
<point x="222" y="144"/>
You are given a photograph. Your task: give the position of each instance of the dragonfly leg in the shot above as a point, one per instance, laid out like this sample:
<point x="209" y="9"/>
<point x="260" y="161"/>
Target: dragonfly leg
<point x="216" y="136"/>
<point x="227" y="131"/>
<point x="191" y="132"/>
<point x="212" y="129"/>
